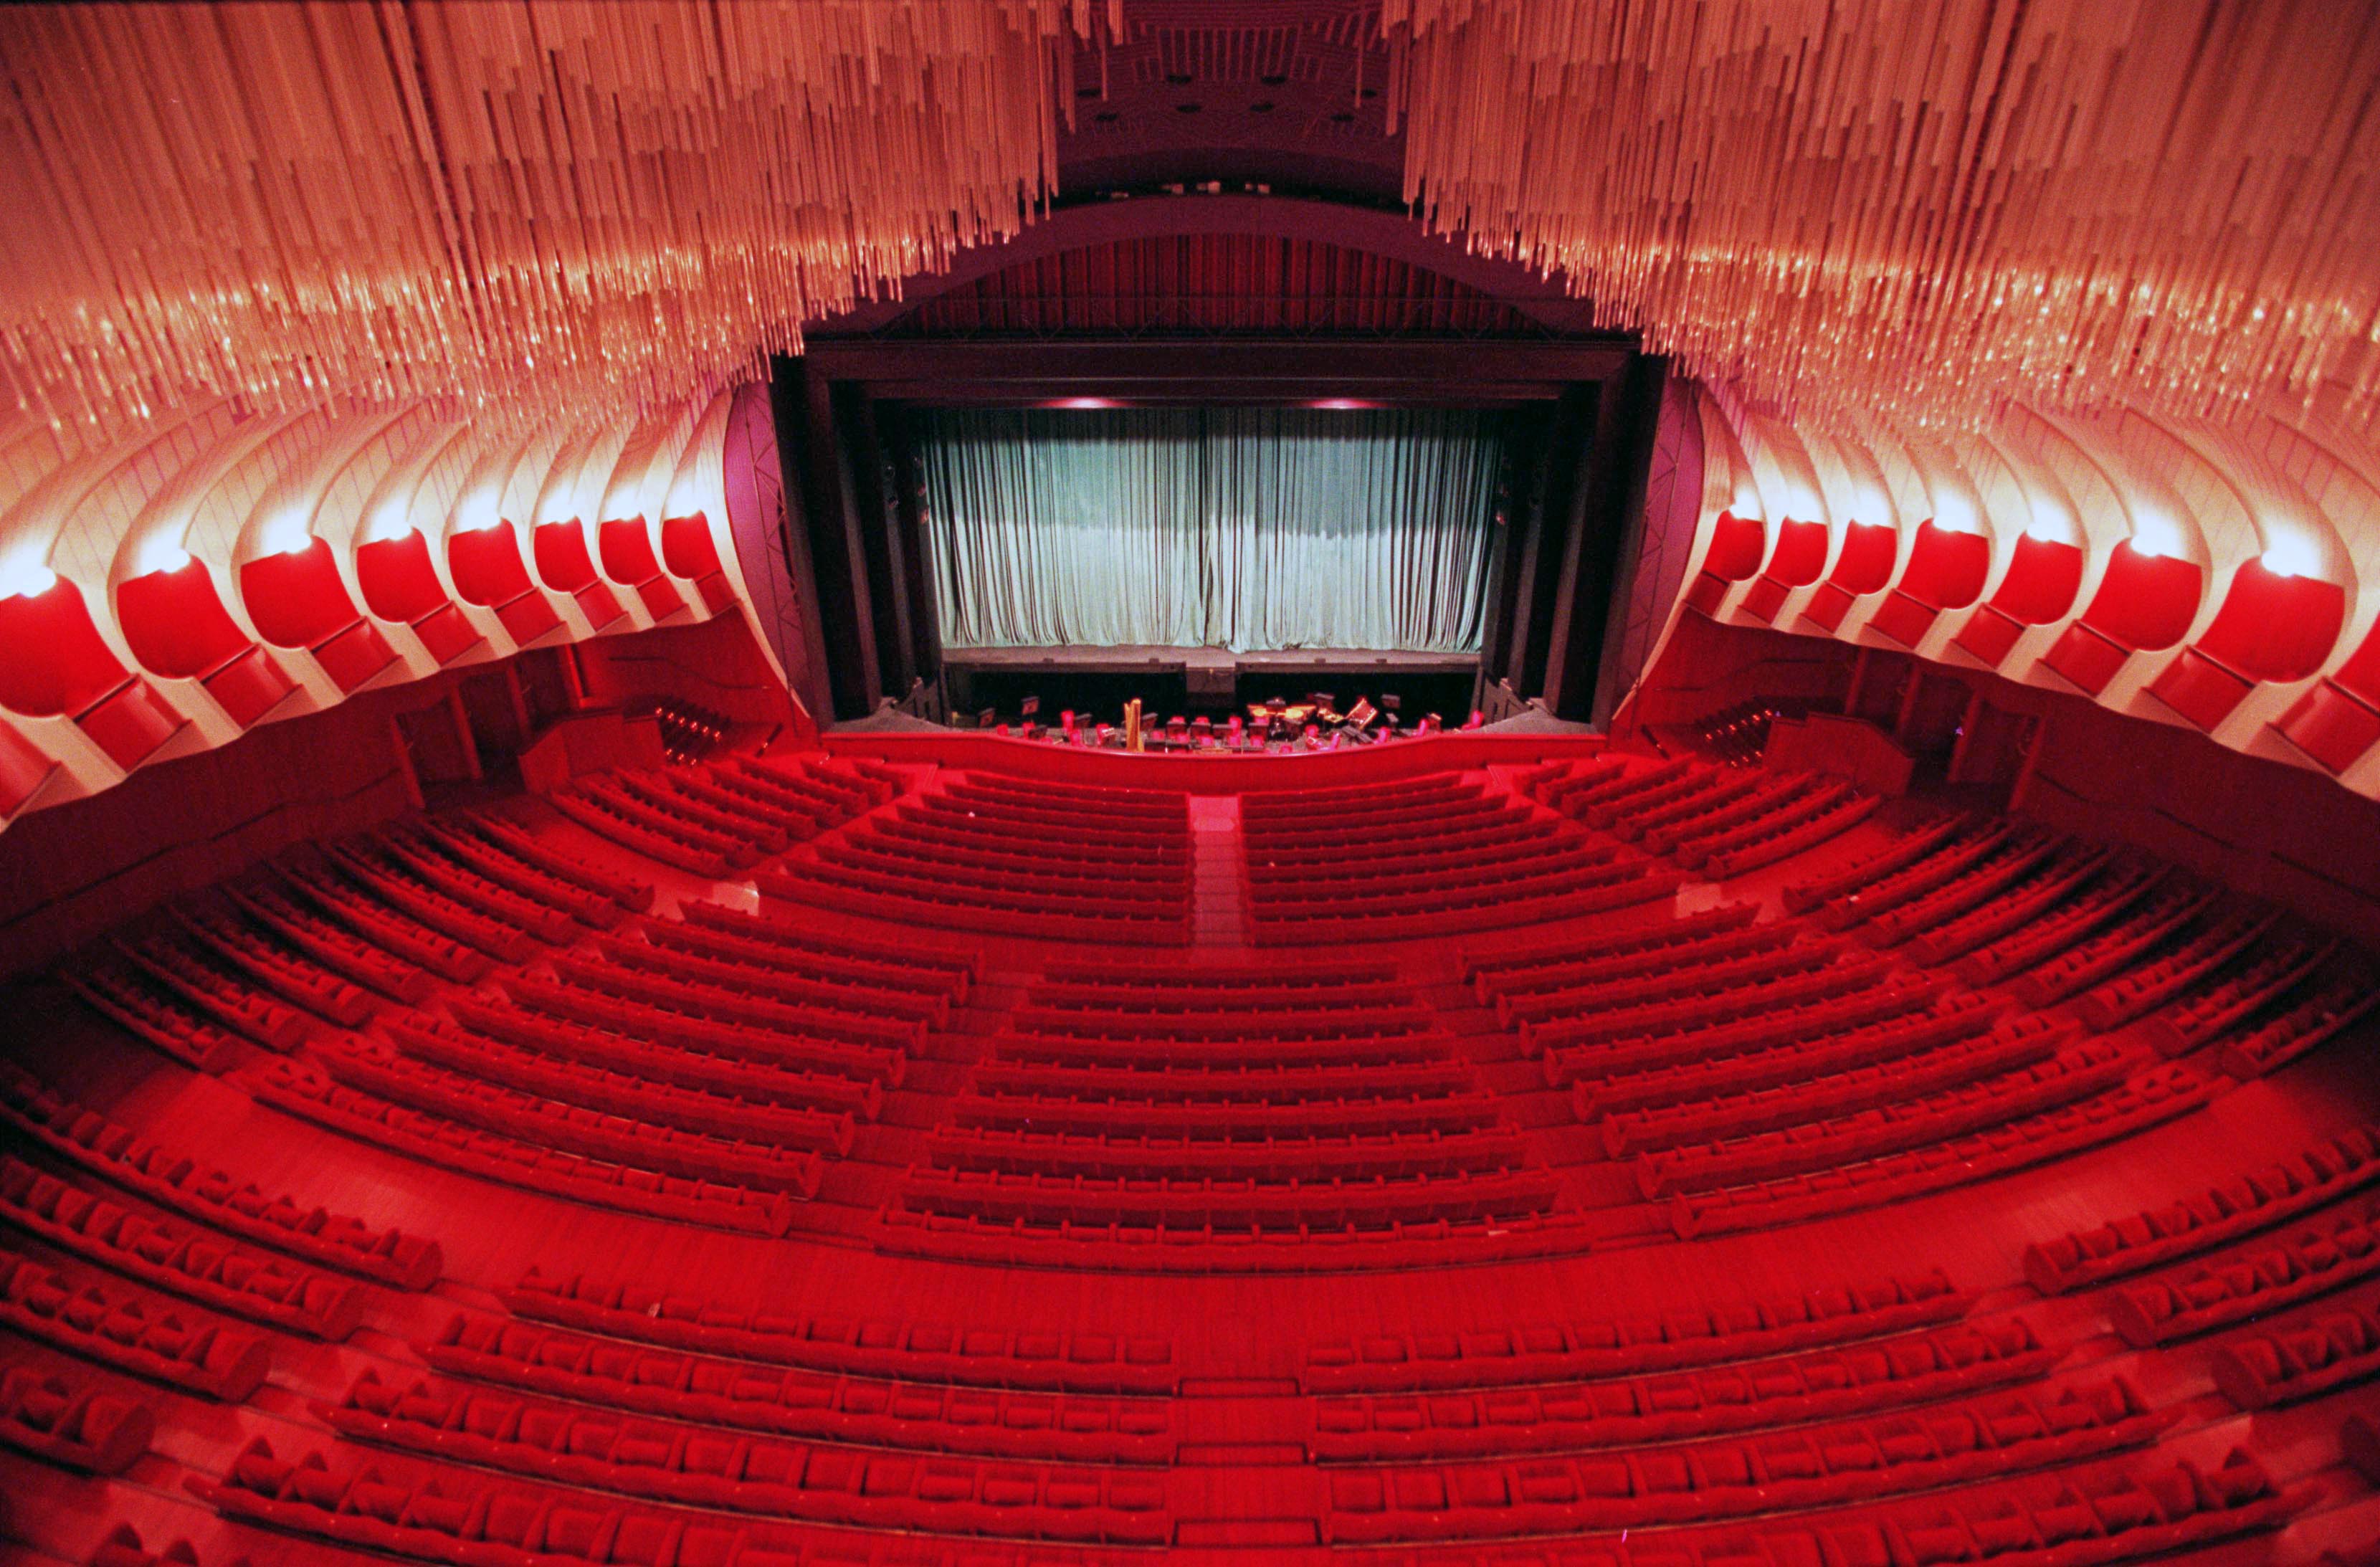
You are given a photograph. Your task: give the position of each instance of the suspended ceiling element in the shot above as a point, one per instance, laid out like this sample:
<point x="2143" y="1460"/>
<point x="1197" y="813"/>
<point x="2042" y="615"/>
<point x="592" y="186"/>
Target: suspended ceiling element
<point x="1847" y="206"/>
<point x="505" y="209"/>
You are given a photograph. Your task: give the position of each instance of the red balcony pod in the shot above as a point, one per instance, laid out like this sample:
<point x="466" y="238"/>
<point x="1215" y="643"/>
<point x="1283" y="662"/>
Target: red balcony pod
<point x="628" y="546"/>
<point x="55" y="663"/>
<point x="563" y="565"/>
<point x="1800" y="556"/>
<point x="2145" y="603"/>
<point x="178" y="627"/>
<point x="488" y="572"/>
<point x="400" y="583"/>
<point x="1736" y="545"/>
<point x="297" y="600"/>
<point x="2043" y="579"/>
<point x="2337" y="721"/>
<point x="2271" y="628"/>
<point x="689" y="551"/>
<point x="23" y="770"/>
<point x="1864" y="568"/>
<point x="1946" y="571"/>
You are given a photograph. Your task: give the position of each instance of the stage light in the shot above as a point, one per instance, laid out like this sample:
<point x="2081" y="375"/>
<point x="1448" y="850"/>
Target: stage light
<point x="2155" y="535"/>
<point x="163" y="553"/>
<point x="478" y="513"/>
<point x="1082" y="403"/>
<point x="26" y="577"/>
<point x="2291" y="555"/>
<point x="2051" y="524"/>
<point x="1954" y="514"/>
<point x="1341" y="403"/>
<point x="291" y="533"/>
<point x="387" y="523"/>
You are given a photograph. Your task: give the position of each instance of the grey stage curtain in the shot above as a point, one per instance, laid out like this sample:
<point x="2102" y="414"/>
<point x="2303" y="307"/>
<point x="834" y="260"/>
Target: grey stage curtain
<point x="1247" y="529"/>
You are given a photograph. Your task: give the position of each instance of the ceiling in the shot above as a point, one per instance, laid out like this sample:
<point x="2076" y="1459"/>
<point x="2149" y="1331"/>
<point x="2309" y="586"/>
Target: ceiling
<point x="1288" y="93"/>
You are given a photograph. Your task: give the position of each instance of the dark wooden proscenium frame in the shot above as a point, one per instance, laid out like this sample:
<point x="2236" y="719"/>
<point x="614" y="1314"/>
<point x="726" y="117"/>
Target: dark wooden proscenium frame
<point x="856" y="546"/>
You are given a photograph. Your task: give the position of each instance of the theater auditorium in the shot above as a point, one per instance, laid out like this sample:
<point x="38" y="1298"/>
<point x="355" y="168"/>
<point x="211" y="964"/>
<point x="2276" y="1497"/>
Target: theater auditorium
<point x="1258" y="783"/>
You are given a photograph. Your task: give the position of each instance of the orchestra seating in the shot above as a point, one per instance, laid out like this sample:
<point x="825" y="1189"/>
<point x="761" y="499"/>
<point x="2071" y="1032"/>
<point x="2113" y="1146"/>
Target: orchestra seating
<point x="1605" y="1159"/>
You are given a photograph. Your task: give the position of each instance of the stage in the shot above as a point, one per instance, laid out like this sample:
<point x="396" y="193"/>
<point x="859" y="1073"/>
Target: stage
<point x="1202" y="679"/>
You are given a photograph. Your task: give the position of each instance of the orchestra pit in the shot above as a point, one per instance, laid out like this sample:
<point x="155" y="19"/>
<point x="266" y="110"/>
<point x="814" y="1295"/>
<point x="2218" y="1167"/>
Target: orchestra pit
<point x="1063" y="782"/>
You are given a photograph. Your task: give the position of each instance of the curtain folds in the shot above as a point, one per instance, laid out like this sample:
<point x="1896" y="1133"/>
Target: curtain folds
<point x="1247" y="529"/>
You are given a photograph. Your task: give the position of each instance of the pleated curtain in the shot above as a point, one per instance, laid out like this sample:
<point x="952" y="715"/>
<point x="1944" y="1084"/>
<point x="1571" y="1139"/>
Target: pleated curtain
<point x="1254" y="529"/>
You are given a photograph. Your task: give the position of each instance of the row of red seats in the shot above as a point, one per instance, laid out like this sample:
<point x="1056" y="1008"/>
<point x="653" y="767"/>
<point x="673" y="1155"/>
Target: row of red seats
<point x="2082" y="1069"/>
<point x="1801" y="824"/>
<point x="457" y="843"/>
<point x="516" y="843"/>
<point x="1712" y="934"/>
<point x="1143" y="862"/>
<point x="122" y="1547"/>
<point x="996" y="909"/>
<point x="194" y="1264"/>
<point x="400" y="886"/>
<point x="1753" y="954"/>
<point x="992" y="1358"/>
<point x="99" y="1320"/>
<point x="1630" y="790"/>
<point x="1810" y="1099"/>
<point x="398" y="933"/>
<point x="1946" y="1021"/>
<point x="2302" y="1358"/>
<point x="783" y="1400"/>
<point x="990" y="793"/>
<point x="698" y="1032"/>
<point x="1869" y="1378"/>
<point x="2337" y="1250"/>
<point x="609" y="811"/>
<point x="731" y="1077"/>
<point x="2242" y="1205"/>
<point x="846" y="787"/>
<point x="377" y="1068"/>
<point x="2152" y="1096"/>
<point x="1047" y="1201"/>
<point x="2046" y="895"/>
<point x="2143" y="931"/>
<point x="1001" y="1100"/>
<point x="601" y="1451"/>
<point x="2002" y="873"/>
<point x="310" y="1092"/>
<point x="1754" y="1029"/>
<point x="2283" y="1038"/>
<point x="1188" y="1249"/>
<point x="633" y="1098"/>
<point x="234" y="1003"/>
<point x="1138" y="865"/>
<point x="1419" y="803"/>
<point x="2041" y="935"/>
<point x="1893" y="885"/>
<point x="1635" y="1346"/>
<point x="1551" y="783"/>
<point x="1224" y="1013"/>
<point x="1293" y="803"/>
<point x="2231" y="999"/>
<point x="1853" y="879"/>
<point x="1525" y="899"/>
<point x="452" y="1515"/>
<point x="1515" y="831"/>
<point x="146" y="1009"/>
<point x="1403" y="876"/>
<point x="426" y="859"/>
<point x="1845" y="974"/>
<point x="1702" y="794"/>
<point x="272" y="908"/>
<point x="793" y="948"/>
<point x="1257" y="1089"/>
<point x="212" y="1197"/>
<point x="1309" y="1157"/>
<point x="244" y="953"/>
<point x="1981" y="1438"/>
<point x="694" y="994"/>
<point x="2117" y="1001"/>
<point x="1178" y="986"/>
<point x="658" y="949"/>
<point x="1153" y="1049"/>
<point x="72" y="1420"/>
